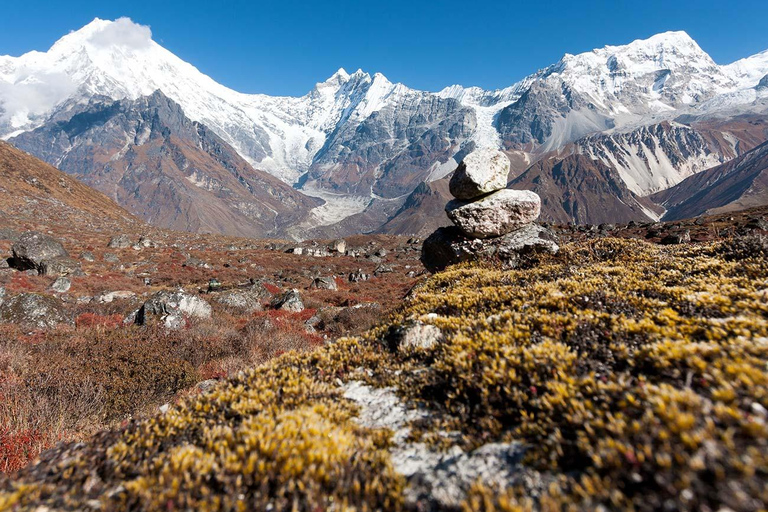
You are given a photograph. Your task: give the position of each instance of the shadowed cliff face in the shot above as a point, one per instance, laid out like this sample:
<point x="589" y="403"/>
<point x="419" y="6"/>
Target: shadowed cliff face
<point x="736" y="185"/>
<point x="579" y="189"/>
<point x="175" y="173"/>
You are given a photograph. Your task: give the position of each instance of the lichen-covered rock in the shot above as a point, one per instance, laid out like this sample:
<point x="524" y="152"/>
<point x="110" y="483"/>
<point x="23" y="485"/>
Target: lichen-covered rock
<point x="289" y="301"/>
<point x="324" y="283"/>
<point x="122" y="241"/>
<point x="246" y="299"/>
<point x="61" y="285"/>
<point x="448" y="246"/>
<point x="108" y="297"/>
<point x="173" y="308"/>
<point x="32" y="249"/>
<point x="62" y="266"/>
<point x="34" y="311"/>
<point x="481" y="172"/>
<point x="339" y="246"/>
<point x="356" y="277"/>
<point x="495" y="214"/>
<point x="87" y="256"/>
<point x="415" y="336"/>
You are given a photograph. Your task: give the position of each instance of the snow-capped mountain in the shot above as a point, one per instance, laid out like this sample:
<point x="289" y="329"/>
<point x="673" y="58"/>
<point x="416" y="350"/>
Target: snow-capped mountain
<point x="363" y="143"/>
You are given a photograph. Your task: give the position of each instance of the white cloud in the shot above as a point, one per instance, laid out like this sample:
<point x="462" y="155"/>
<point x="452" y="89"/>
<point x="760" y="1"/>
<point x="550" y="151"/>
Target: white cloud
<point x="123" y="32"/>
<point x="32" y="97"/>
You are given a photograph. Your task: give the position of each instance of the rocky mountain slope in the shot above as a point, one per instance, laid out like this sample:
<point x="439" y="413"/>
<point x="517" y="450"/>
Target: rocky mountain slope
<point x="363" y="143"/>
<point x="579" y="189"/>
<point x="30" y="188"/>
<point x="736" y="185"/>
<point x="172" y="172"/>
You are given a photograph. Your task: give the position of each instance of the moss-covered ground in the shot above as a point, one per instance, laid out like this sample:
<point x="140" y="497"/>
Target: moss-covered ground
<point x="637" y="376"/>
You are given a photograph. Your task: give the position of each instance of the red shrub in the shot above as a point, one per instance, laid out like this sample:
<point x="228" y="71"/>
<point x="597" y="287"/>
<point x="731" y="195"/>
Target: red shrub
<point x="271" y="288"/>
<point x="17" y="449"/>
<point x="85" y="320"/>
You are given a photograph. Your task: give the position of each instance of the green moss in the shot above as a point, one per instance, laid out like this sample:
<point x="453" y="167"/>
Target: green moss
<point x="636" y="374"/>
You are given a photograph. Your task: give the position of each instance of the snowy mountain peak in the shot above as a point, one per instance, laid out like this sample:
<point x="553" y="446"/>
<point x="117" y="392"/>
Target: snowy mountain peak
<point x="748" y="72"/>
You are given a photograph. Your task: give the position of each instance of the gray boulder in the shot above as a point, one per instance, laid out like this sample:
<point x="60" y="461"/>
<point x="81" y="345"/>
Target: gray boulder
<point x="34" y="311"/>
<point x="9" y="234"/>
<point x="356" y="277"/>
<point x="32" y="249"/>
<point x="448" y="246"/>
<point x="289" y="301"/>
<point x="339" y="246"/>
<point x="383" y="269"/>
<point x="481" y="172"/>
<point x="60" y="267"/>
<point x="109" y="297"/>
<point x="247" y="300"/>
<point x="495" y="214"/>
<point x="173" y="309"/>
<point x="120" y="242"/>
<point x="87" y="256"/>
<point x="324" y="283"/>
<point x="61" y="285"/>
<point x="415" y="336"/>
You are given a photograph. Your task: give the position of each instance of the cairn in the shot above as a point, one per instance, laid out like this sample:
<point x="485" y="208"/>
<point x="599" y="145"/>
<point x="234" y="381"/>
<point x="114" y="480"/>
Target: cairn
<point x="490" y="221"/>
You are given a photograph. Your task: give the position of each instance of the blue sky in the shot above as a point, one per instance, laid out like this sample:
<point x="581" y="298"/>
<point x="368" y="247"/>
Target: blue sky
<point x="284" y="46"/>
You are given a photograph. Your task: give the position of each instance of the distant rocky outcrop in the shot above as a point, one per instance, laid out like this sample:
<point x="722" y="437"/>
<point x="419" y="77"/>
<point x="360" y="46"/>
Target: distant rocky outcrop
<point x="490" y="222"/>
<point x="157" y="163"/>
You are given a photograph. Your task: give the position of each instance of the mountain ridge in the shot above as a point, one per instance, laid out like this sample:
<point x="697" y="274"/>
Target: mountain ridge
<point x="362" y="143"/>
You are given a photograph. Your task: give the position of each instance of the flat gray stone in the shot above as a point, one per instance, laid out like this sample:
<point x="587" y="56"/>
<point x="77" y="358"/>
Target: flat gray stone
<point x="481" y="172"/>
<point x="495" y="214"/>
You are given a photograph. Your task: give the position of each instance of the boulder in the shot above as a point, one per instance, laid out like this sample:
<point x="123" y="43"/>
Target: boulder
<point x="289" y="301"/>
<point x="414" y="336"/>
<point x="33" y="248"/>
<point x="356" y="277"/>
<point x="120" y="242"/>
<point x="677" y="238"/>
<point x="60" y="267"/>
<point x="108" y="297"/>
<point x="448" y="246"/>
<point x="324" y="283"/>
<point x="383" y="269"/>
<point x="87" y="256"/>
<point x="246" y="299"/>
<point x="481" y="172"/>
<point x="495" y="214"/>
<point x="34" y="311"/>
<point x="61" y="285"/>
<point x="339" y="246"/>
<point x="9" y="234"/>
<point x="173" y="308"/>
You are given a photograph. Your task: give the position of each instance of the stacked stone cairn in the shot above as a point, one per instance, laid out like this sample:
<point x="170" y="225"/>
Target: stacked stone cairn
<point x="490" y="221"/>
